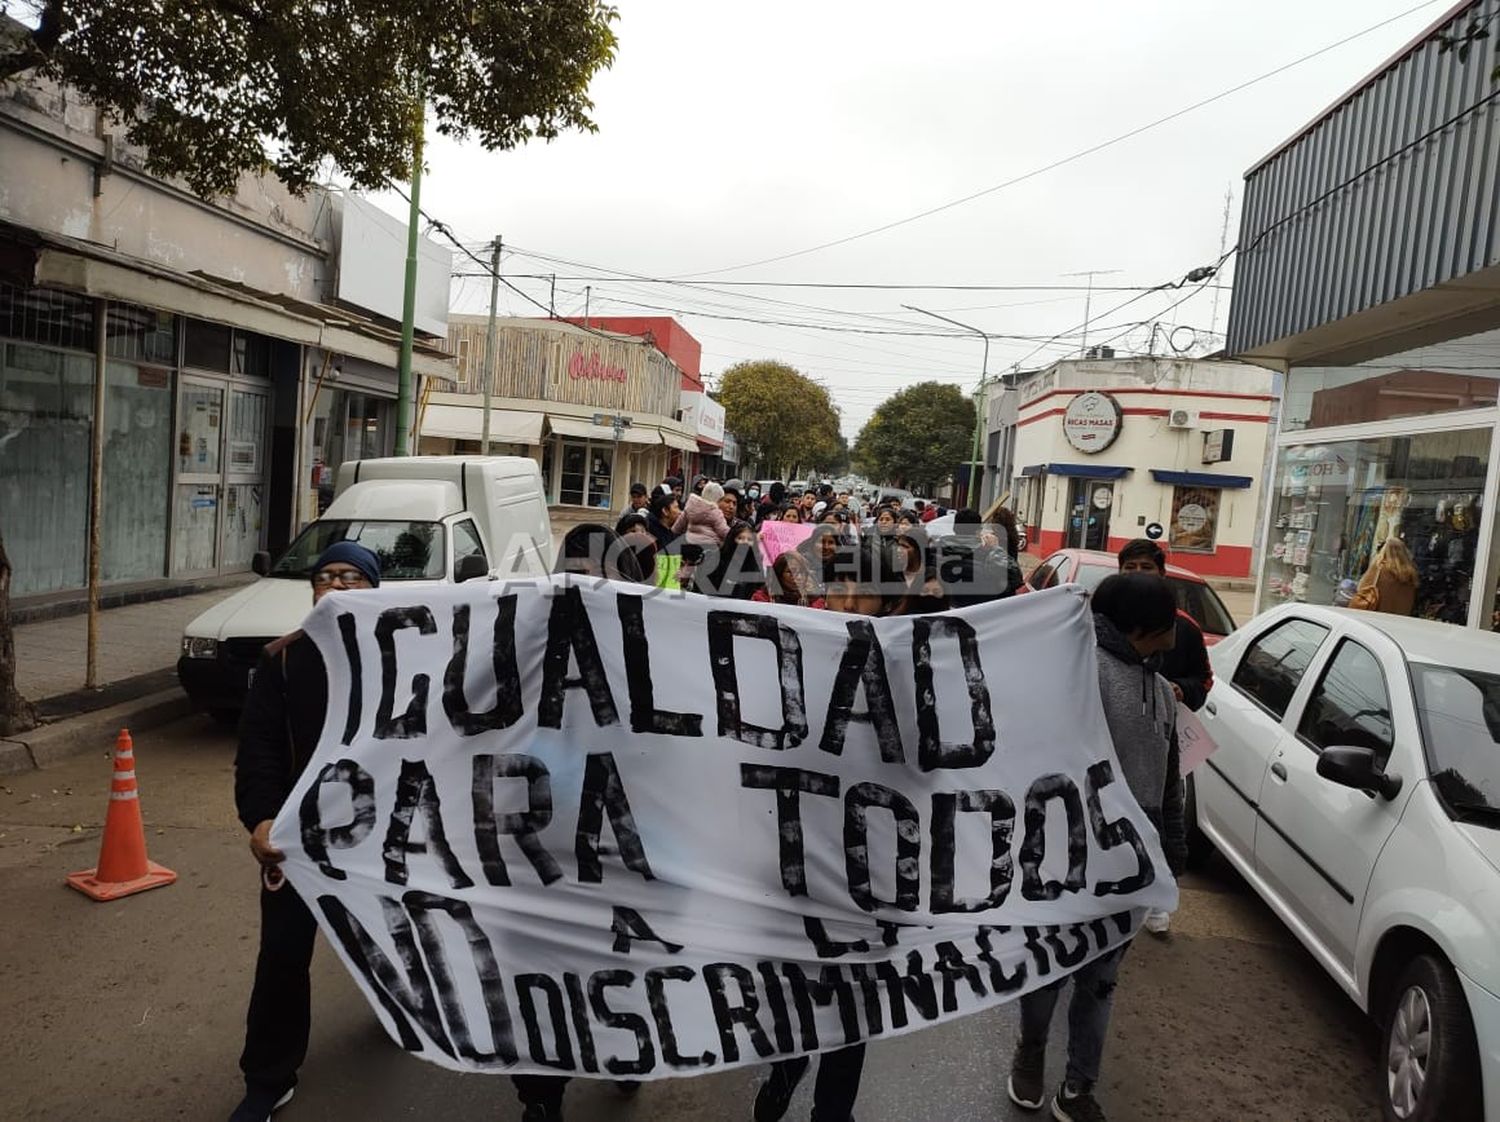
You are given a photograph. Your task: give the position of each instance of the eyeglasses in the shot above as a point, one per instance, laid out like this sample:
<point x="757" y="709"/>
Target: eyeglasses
<point x="347" y="578"/>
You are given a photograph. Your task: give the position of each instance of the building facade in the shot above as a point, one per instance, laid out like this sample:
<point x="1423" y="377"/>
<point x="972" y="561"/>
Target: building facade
<point x="191" y="346"/>
<point x="1369" y="272"/>
<point x="1100" y="451"/>
<point x="557" y="388"/>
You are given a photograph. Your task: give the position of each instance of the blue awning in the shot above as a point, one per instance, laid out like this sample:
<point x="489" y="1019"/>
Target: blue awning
<point x="1201" y="479"/>
<point x="1087" y="471"/>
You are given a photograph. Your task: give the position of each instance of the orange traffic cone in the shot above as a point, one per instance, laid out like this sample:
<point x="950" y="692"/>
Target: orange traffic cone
<point x="123" y="868"/>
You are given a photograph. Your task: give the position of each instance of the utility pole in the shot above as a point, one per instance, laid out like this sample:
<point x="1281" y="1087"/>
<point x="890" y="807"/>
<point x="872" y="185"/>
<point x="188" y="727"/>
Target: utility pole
<point x="980" y="394"/>
<point x="409" y="299"/>
<point x="490" y="346"/>
<point x="1088" y="301"/>
<point x="552" y="299"/>
<point x="588" y="290"/>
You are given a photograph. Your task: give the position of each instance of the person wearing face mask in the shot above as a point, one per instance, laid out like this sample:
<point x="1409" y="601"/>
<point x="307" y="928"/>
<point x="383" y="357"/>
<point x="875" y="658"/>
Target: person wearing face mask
<point x="279" y="729"/>
<point x="1135" y="620"/>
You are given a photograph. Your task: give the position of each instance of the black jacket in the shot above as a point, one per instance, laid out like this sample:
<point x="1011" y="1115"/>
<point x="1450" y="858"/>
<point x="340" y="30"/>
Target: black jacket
<point x="1186" y="665"/>
<point x="279" y="727"/>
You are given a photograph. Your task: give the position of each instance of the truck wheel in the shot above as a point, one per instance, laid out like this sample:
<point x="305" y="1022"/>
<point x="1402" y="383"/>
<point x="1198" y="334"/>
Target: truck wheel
<point x="224" y="717"/>
<point x="1431" y="1058"/>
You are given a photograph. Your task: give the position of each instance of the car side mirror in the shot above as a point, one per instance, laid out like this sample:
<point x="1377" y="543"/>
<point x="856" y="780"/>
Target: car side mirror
<point x="1356" y="767"/>
<point x="260" y="563"/>
<point x="472" y="567"/>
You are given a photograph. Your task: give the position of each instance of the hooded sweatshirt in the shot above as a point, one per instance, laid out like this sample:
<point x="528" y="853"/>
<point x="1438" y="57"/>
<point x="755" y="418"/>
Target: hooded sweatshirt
<point x="1141" y="712"/>
<point x="702" y="522"/>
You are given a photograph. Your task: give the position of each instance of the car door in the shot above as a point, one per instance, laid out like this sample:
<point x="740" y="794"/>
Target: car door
<point x="1319" y="840"/>
<point x="1245" y="714"/>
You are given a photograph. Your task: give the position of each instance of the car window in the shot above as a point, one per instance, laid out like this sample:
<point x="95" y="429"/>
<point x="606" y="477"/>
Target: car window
<point x="1273" y="665"/>
<point x="466" y="543"/>
<point x="1460" y="713"/>
<point x="1203" y="604"/>
<point x="1092" y="576"/>
<point x="1351" y="705"/>
<point x="1042" y="574"/>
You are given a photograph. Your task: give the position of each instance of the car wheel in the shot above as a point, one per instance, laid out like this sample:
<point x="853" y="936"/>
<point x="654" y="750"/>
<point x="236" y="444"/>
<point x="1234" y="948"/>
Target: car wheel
<point x="1429" y="1048"/>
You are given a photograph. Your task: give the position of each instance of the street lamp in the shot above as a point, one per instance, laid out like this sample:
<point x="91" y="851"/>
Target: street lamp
<point x="979" y="394"/>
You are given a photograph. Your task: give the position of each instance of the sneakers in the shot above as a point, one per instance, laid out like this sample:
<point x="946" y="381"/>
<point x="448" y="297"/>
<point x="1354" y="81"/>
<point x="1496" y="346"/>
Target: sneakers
<point x="1076" y="1106"/>
<point x="259" y="1104"/>
<point x="1158" y="922"/>
<point x="1028" y="1069"/>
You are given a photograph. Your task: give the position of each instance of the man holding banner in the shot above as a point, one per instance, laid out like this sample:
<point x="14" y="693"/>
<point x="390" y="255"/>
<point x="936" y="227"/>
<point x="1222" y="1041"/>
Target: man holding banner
<point x="573" y="827"/>
<point x="1135" y="619"/>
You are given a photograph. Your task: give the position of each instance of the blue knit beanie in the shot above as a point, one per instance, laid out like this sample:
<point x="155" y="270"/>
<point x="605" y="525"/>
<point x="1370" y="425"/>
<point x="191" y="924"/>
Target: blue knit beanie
<point x="352" y="553"/>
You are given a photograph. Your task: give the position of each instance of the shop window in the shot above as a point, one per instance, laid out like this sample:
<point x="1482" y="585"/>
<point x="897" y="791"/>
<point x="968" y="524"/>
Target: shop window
<point x="1334" y="504"/>
<point x="54" y="319"/>
<point x="141" y="335"/>
<point x="1442" y="378"/>
<point x="137" y="472"/>
<point x="46" y="418"/>
<point x="206" y="346"/>
<point x="1195" y="519"/>
<point x="587" y="475"/>
<point x="250" y="355"/>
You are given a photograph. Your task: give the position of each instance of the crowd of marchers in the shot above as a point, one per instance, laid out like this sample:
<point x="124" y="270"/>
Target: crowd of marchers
<point x="1151" y="660"/>
<point x="709" y="541"/>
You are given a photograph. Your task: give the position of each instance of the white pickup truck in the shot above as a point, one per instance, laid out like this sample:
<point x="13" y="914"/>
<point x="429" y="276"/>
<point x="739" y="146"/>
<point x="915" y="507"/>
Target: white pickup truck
<point x="430" y="520"/>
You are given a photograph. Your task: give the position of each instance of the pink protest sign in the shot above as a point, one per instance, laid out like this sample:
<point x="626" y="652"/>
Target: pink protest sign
<point x="778" y="537"/>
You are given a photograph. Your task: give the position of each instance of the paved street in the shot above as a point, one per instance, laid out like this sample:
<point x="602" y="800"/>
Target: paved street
<point x="134" y="1010"/>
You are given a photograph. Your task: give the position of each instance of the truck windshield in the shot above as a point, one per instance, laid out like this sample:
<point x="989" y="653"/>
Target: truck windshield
<point x="407" y="550"/>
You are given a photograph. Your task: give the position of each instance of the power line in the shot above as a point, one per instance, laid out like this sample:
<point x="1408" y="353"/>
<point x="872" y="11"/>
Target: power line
<point x="1066" y="159"/>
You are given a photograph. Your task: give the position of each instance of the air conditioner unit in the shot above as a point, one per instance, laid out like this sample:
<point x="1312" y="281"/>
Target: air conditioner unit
<point x="1182" y="419"/>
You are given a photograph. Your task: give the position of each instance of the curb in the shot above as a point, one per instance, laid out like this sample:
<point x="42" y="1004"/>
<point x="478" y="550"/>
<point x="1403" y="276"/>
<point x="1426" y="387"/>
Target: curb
<point x="52" y="743"/>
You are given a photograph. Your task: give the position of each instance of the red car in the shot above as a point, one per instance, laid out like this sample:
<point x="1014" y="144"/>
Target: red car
<point x="1088" y="567"/>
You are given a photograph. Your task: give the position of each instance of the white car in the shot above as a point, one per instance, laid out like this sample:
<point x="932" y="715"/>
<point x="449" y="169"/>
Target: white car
<point x="1356" y="787"/>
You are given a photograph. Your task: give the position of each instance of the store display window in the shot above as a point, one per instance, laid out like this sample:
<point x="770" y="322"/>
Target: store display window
<point x="1195" y="519"/>
<point x="1333" y="505"/>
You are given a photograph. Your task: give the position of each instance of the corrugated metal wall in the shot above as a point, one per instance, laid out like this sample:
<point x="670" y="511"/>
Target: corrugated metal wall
<point x="533" y="361"/>
<point x="1390" y="193"/>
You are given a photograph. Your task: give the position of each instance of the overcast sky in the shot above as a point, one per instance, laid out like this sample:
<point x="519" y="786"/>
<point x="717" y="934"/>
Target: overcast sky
<point x="733" y="133"/>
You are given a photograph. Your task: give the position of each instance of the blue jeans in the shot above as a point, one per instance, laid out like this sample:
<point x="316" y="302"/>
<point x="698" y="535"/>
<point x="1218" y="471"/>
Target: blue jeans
<point x="1088" y="1016"/>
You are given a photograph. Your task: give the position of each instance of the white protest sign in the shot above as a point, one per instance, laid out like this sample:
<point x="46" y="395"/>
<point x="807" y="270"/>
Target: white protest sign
<point x="1194" y="744"/>
<point x="570" y="827"/>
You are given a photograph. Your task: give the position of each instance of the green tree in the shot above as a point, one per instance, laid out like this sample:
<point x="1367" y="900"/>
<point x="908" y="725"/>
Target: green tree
<point x="918" y="436"/>
<point x="783" y="419"/>
<point x="212" y="89"/>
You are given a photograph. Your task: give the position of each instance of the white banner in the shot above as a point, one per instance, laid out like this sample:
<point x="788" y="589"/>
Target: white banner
<point x="565" y="827"/>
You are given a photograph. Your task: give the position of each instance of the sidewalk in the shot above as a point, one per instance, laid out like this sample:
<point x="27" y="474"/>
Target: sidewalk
<point x="133" y="641"/>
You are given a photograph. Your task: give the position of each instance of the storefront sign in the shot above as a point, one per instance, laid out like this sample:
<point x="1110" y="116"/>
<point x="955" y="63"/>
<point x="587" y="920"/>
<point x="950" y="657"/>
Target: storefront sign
<point x="704" y="416"/>
<point x="568" y="827"/>
<point x="593" y="368"/>
<point x="1104" y="497"/>
<point x="1092" y="421"/>
<point x="1218" y="446"/>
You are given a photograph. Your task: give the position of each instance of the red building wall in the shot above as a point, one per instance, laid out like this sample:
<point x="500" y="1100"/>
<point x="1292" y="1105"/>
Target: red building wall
<point x="669" y="337"/>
